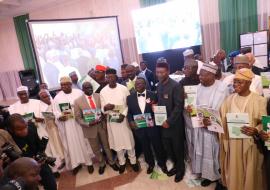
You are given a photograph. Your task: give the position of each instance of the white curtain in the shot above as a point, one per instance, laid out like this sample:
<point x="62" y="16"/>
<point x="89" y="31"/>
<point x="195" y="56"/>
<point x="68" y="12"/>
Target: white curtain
<point x="9" y="82"/>
<point x="263" y="11"/>
<point x="209" y="16"/>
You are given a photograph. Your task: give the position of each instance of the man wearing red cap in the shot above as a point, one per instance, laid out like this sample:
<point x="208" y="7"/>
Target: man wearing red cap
<point x="100" y="77"/>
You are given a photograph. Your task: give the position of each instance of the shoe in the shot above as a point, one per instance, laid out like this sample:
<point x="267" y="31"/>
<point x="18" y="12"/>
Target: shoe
<point x="206" y="182"/>
<point x="150" y="169"/>
<point x="90" y="169"/>
<point x="178" y="177"/>
<point x="115" y="167"/>
<point x="101" y="169"/>
<point x="135" y="167"/>
<point x="56" y="175"/>
<point x="219" y="186"/>
<point x="164" y="169"/>
<point x="172" y="172"/>
<point x="122" y="169"/>
<point x="76" y="170"/>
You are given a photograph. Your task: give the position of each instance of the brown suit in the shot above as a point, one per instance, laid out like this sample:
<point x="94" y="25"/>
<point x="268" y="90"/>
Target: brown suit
<point x="96" y="134"/>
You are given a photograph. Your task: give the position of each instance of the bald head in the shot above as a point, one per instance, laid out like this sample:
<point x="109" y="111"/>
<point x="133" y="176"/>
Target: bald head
<point x="26" y="169"/>
<point x="87" y="88"/>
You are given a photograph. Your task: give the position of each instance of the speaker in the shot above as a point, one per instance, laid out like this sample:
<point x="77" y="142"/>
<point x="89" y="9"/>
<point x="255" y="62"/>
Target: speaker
<point x="29" y="79"/>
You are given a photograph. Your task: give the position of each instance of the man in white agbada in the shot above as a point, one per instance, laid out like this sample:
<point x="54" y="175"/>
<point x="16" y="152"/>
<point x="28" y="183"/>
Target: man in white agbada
<point x="29" y="109"/>
<point x="54" y="148"/>
<point x="243" y="61"/>
<point x="113" y="104"/>
<point x="205" y="160"/>
<point x="76" y="148"/>
<point x="189" y="54"/>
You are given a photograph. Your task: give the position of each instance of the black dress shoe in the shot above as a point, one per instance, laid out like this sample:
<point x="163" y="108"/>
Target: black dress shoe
<point x="178" y="177"/>
<point x="115" y="167"/>
<point x="172" y="172"/>
<point x="219" y="186"/>
<point x="76" y="170"/>
<point x="101" y="170"/>
<point x="164" y="169"/>
<point x="56" y="175"/>
<point x="206" y="182"/>
<point x="135" y="167"/>
<point x="90" y="169"/>
<point x="122" y="169"/>
<point x="150" y="169"/>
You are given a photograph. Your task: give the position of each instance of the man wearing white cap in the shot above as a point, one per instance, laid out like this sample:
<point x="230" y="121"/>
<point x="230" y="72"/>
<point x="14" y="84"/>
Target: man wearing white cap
<point x="243" y="61"/>
<point x="28" y="108"/>
<point x="189" y="54"/>
<point x="210" y="93"/>
<point x="74" y="78"/>
<point x="76" y="148"/>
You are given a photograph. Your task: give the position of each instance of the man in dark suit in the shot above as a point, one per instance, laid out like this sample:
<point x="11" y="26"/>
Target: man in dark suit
<point x="171" y="94"/>
<point x="148" y="75"/>
<point x="95" y="130"/>
<point x="139" y="103"/>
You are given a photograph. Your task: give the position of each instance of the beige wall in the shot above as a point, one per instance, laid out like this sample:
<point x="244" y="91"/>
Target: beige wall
<point x="10" y="56"/>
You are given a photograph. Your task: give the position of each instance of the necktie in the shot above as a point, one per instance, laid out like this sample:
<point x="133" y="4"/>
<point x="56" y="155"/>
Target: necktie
<point x="92" y="104"/>
<point x="143" y="95"/>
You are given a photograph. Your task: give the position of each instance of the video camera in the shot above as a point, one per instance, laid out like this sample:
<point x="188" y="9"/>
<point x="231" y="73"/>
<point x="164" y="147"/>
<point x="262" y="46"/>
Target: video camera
<point x="17" y="184"/>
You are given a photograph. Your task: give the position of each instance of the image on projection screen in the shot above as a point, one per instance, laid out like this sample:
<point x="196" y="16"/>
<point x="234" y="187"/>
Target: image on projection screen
<point x="65" y="46"/>
<point x="170" y="25"/>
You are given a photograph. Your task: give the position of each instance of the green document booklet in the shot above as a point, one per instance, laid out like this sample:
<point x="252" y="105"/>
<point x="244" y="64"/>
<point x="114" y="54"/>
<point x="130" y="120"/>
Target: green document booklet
<point x="87" y="78"/>
<point x="28" y="116"/>
<point x="48" y="115"/>
<point x="191" y="97"/>
<point x="144" y="120"/>
<point x="265" y="79"/>
<point x="160" y="114"/>
<point x="66" y="110"/>
<point x="235" y="121"/>
<point x="266" y="128"/>
<point x="90" y="115"/>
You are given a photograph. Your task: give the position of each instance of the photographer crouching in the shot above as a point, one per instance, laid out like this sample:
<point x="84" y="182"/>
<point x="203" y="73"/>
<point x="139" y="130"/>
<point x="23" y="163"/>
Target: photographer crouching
<point x="27" y="139"/>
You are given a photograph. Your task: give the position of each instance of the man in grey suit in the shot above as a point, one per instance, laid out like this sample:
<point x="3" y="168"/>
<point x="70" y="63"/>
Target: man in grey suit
<point x="88" y="115"/>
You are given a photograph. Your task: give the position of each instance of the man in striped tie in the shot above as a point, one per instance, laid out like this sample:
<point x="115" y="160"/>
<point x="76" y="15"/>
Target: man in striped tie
<point x="88" y="114"/>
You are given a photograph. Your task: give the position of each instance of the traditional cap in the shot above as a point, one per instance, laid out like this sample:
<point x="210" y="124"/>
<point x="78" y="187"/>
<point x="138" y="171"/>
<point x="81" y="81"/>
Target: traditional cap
<point x="191" y="63"/>
<point x="22" y="88"/>
<point x="65" y="79"/>
<point x="101" y="68"/>
<point x="135" y="64"/>
<point x="110" y="71"/>
<point x="210" y="67"/>
<point x="241" y="59"/>
<point x="251" y="58"/>
<point x="72" y="73"/>
<point x="188" y="52"/>
<point x="244" y="74"/>
<point x="234" y="53"/>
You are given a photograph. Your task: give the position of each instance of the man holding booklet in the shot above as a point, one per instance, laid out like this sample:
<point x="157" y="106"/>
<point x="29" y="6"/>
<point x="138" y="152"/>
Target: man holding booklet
<point x="141" y="119"/>
<point x="88" y="114"/>
<point x="169" y="115"/>
<point x="241" y="159"/>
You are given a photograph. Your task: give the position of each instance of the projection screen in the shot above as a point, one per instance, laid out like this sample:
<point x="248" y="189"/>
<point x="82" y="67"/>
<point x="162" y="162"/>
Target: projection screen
<point x="67" y="45"/>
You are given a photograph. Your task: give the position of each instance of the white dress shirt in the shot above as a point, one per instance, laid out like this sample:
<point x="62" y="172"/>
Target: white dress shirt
<point x="142" y="101"/>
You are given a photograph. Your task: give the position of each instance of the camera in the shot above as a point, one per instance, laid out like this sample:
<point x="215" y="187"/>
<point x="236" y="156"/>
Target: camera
<point x="17" y="184"/>
<point x="41" y="156"/>
<point x="8" y="151"/>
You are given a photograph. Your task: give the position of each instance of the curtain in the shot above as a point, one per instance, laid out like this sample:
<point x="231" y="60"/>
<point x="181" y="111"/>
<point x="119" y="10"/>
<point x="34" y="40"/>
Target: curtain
<point x="24" y="42"/>
<point x="9" y="82"/>
<point x="146" y="3"/>
<point x="236" y="17"/>
<point x="263" y="9"/>
<point x="209" y="18"/>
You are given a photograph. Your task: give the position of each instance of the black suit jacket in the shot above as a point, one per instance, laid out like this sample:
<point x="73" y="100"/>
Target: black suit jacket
<point x="151" y="79"/>
<point x="134" y="108"/>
